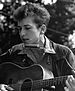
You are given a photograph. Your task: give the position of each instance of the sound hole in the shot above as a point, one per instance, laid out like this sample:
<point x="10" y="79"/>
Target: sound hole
<point x="27" y="84"/>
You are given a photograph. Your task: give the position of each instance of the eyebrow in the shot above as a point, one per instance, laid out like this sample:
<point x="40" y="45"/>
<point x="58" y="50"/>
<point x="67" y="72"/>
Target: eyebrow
<point x="25" y="26"/>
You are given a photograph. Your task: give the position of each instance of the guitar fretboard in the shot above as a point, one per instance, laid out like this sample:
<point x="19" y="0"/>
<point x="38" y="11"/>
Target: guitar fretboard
<point x="49" y="82"/>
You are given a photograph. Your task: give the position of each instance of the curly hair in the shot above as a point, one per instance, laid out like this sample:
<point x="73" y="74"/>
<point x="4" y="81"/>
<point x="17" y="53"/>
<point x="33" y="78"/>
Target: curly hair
<point x="40" y="13"/>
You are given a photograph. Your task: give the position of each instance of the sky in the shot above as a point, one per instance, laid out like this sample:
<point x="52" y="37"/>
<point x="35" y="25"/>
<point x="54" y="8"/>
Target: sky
<point x="49" y="1"/>
<point x="72" y="38"/>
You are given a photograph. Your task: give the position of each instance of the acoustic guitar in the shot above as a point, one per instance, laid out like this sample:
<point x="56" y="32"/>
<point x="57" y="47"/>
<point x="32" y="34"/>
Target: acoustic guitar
<point x="26" y="78"/>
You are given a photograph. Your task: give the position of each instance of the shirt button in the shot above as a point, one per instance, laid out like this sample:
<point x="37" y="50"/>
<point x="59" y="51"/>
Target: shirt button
<point x="24" y="60"/>
<point x="48" y="62"/>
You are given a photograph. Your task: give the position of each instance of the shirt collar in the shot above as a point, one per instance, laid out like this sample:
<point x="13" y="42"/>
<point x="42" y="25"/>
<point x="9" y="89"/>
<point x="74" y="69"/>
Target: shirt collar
<point x="48" y="46"/>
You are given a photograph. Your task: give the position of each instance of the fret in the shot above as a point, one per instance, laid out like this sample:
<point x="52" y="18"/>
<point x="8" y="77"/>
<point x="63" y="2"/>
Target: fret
<point x="49" y="82"/>
<point x="71" y="1"/>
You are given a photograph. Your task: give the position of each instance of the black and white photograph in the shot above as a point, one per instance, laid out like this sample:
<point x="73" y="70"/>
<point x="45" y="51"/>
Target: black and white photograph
<point x="37" y="45"/>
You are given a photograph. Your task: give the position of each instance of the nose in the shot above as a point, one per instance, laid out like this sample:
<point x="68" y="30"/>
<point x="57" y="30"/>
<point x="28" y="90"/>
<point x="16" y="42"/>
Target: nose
<point x="22" y="32"/>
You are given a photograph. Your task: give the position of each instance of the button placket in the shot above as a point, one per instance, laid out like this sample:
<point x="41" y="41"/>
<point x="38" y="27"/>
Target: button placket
<point x="49" y="60"/>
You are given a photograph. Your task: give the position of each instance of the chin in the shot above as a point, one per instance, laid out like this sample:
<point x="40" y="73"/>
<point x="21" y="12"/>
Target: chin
<point x="27" y="42"/>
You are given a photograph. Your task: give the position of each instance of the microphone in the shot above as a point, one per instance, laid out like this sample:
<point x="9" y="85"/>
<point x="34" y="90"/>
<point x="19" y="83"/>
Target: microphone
<point x="32" y="45"/>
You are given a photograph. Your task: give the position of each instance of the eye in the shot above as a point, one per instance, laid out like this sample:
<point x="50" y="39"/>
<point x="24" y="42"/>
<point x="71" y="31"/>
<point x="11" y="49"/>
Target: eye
<point x="27" y="28"/>
<point x="19" y="28"/>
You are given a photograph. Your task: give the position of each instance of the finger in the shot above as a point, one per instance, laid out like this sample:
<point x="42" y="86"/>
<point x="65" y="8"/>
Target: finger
<point x="9" y="88"/>
<point x="66" y="89"/>
<point x="71" y="77"/>
<point x="67" y="84"/>
<point x="71" y="81"/>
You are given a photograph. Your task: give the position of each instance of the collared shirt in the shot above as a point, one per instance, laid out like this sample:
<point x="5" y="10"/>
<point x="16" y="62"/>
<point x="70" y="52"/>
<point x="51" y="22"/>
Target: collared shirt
<point x="35" y="53"/>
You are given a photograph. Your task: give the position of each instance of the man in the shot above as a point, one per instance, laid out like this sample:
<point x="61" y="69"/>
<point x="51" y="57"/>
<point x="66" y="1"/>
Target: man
<point x="56" y="59"/>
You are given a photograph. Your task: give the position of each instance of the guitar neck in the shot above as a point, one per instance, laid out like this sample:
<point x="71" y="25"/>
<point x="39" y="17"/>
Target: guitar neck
<point x="49" y="82"/>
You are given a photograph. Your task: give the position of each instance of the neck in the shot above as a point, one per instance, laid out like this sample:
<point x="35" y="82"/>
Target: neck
<point x="42" y="40"/>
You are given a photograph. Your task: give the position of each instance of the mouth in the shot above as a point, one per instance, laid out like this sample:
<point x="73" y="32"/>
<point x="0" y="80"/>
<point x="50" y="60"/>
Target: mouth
<point x="25" y="40"/>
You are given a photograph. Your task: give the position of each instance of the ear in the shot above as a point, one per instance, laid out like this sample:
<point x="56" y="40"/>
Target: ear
<point x="43" y="29"/>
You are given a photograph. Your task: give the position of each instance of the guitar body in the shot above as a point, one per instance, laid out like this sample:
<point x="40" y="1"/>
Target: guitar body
<point x="11" y="73"/>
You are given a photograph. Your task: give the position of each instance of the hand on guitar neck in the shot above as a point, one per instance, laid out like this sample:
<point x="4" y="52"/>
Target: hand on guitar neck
<point x="70" y="84"/>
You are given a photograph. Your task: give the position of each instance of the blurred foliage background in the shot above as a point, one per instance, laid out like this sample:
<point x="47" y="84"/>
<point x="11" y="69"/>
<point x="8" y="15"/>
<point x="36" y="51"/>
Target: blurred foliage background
<point x="61" y="28"/>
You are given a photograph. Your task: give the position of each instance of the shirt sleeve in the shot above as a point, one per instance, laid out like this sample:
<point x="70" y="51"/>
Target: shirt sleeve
<point x="71" y="59"/>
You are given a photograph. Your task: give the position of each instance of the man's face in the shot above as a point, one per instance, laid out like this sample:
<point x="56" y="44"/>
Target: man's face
<point x="29" y="33"/>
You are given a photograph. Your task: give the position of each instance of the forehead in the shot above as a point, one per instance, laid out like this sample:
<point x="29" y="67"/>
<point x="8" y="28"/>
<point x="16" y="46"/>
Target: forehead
<point x="27" y="21"/>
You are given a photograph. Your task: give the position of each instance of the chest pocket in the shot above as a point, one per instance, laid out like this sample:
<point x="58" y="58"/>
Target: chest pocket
<point x="23" y="60"/>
